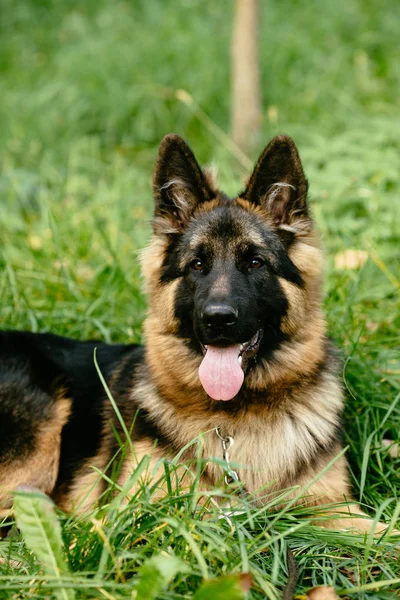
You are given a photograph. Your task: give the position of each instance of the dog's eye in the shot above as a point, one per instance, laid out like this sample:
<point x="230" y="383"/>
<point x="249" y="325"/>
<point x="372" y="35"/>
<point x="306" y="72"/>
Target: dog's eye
<point x="197" y="264"/>
<point x="256" y="262"/>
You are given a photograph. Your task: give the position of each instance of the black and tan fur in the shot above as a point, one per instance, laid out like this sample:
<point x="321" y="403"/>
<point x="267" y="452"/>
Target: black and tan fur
<point x="257" y="252"/>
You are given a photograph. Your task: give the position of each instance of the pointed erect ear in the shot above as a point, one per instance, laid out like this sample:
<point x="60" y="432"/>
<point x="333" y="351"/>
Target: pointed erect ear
<point x="179" y="183"/>
<point x="278" y="183"/>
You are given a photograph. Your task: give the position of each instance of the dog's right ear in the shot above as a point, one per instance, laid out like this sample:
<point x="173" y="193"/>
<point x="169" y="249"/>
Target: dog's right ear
<point x="179" y="185"/>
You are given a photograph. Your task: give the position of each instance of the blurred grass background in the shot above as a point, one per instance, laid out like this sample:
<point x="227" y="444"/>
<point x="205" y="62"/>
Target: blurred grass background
<point x="89" y="88"/>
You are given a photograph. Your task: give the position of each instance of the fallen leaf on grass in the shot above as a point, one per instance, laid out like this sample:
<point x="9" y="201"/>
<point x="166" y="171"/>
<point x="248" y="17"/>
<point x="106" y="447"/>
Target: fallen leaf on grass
<point x="350" y="259"/>
<point x="322" y="592"/>
<point x="15" y="564"/>
<point x="394" y="449"/>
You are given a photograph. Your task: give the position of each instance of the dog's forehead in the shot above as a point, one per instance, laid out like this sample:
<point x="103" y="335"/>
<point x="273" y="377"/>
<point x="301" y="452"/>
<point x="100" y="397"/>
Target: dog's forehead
<point x="226" y="228"/>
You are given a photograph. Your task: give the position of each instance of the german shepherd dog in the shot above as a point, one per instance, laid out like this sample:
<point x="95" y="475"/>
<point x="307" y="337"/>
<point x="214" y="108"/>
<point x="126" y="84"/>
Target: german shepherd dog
<point x="235" y="340"/>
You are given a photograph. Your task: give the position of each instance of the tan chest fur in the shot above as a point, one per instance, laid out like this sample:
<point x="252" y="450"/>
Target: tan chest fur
<point x="268" y="445"/>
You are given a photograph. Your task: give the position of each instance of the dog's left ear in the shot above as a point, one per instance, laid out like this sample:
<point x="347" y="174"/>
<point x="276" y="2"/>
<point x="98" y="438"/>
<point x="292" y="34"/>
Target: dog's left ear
<point x="179" y="183"/>
<point x="278" y="183"/>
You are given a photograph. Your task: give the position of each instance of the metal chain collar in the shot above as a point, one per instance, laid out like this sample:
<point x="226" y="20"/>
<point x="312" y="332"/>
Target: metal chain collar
<point x="227" y="442"/>
<point x="232" y="477"/>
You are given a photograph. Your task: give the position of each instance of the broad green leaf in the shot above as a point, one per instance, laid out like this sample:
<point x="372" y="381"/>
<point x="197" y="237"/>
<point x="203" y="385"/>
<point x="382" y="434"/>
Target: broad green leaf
<point x="156" y="574"/>
<point x="37" y="520"/>
<point x="229" y="587"/>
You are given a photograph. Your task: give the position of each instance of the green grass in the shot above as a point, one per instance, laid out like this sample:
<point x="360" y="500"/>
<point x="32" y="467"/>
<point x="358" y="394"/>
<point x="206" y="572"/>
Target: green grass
<point x="88" y="90"/>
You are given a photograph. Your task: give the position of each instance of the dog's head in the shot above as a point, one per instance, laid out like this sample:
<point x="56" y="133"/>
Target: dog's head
<point x="233" y="278"/>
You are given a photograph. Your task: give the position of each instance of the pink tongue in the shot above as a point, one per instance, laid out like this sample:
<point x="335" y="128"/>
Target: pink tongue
<point x="220" y="372"/>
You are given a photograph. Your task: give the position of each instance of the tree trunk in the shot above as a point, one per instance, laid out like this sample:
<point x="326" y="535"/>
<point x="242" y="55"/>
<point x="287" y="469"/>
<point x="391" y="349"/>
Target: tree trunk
<point x="246" y="101"/>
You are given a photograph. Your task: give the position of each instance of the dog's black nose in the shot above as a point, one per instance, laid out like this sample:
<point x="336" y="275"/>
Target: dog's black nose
<point x="220" y="315"/>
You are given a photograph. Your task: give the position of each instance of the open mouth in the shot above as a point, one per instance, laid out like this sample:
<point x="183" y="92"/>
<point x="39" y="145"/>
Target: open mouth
<point x="222" y="369"/>
<point x="249" y="349"/>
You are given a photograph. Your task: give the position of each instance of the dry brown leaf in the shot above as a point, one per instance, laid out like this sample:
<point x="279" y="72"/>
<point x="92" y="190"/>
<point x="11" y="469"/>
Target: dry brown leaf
<point x="322" y="592"/>
<point x="350" y="259"/>
<point x="246" y="581"/>
<point x="15" y="564"/>
<point x="394" y="449"/>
